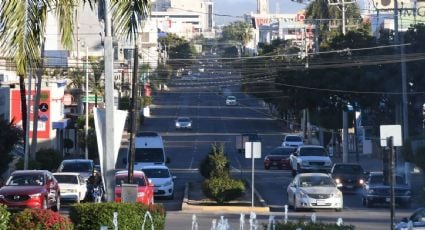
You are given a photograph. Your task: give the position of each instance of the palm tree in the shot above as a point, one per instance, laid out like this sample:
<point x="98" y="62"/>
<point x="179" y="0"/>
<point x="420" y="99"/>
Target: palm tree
<point x="23" y="31"/>
<point x="97" y="66"/>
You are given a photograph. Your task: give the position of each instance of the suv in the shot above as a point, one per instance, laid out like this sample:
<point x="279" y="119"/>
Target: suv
<point x="83" y="166"/>
<point x="292" y="141"/>
<point x="375" y="191"/>
<point x="310" y="158"/>
<point x="31" y="189"/>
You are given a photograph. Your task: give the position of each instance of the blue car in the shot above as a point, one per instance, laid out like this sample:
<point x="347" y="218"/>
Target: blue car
<point x="415" y="221"/>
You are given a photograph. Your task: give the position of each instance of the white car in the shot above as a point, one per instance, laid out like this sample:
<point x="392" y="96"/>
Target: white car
<point x="72" y="186"/>
<point x="292" y="141"/>
<point x="310" y="158"/>
<point x="231" y="100"/>
<point x="183" y="123"/>
<point x="162" y="179"/>
<point x="314" y="191"/>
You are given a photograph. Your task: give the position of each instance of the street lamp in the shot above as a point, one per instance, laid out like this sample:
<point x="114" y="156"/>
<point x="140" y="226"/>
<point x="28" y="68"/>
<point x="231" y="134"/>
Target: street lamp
<point x="86" y="127"/>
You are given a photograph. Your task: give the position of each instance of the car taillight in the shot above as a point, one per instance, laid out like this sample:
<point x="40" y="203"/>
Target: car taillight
<point x="35" y="195"/>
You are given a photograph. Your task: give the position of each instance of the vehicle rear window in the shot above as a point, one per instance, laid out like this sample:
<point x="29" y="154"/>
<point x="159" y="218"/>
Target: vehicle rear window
<point x="157" y="173"/>
<point x="66" y="179"/>
<point x="122" y="179"/>
<point x="149" y="155"/>
<point x="379" y="179"/>
<point x="293" y="139"/>
<point x="313" y="152"/>
<point x="282" y="151"/>
<point x="77" y="167"/>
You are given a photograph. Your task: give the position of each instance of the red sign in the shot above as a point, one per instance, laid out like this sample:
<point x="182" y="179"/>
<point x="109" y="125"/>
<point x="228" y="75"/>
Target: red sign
<point x="43" y="130"/>
<point x="261" y="21"/>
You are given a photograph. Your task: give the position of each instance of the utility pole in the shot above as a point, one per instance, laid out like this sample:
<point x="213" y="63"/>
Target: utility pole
<point x="342" y="5"/>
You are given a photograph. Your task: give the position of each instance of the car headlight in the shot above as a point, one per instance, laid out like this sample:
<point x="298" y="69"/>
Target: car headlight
<point x="304" y="163"/>
<point x="361" y="181"/>
<point x="140" y="194"/>
<point x="338" y="181"/>
<point x="35" y="195"/>
<point x="177" y="124"/>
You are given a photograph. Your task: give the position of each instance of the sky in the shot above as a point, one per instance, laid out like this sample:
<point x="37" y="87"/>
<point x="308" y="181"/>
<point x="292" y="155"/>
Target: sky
<point x="237" y="8"/>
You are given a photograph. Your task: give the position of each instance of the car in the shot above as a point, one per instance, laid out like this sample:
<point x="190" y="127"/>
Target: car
<point x="231" y="100"/>
<point x="36" y="189"/>
<point x="145" y="193"/>
<point x="279" y="157"/>
<point x="310" y="158"/>
<point x="292" y="141"/>
<point x="414" y="221"/>
<point x="73" y="187"/>
<point x="83" y="166"/>
<point x="183" y="123"/>
<point x="375" y="191"/>
<point x="314" y="191"/>
<point x="162" y="180"/>
<point x="350" y="175"/>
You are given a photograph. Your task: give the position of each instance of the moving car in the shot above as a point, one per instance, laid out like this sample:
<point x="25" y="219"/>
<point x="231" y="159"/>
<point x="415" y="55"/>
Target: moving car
<point x="292" y="141"/>
<point x="349" y="175"/>
<point x="375" y="191"/>
<point x="231" y="100"/>
<point x="149" y="150"/>
<point x="314" y="191"/>
<point x="31" y="189"/>
<point x="83" y="166"/>
<point x="415" y="221"/>
<point x="73" y="187"/>
<point x="183" y="123"/>
<point x="162" y="180"/>
<point x="279" y="157"/>
<point x="144" y="187"/>
<point x="310" y="158"/>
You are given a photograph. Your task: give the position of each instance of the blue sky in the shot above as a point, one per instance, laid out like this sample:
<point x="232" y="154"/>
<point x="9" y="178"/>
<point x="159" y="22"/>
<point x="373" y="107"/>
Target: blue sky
<point x="237" y="8"/>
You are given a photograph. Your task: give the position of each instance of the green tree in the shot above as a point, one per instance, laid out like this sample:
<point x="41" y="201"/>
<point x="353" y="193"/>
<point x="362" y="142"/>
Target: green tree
<point x="240" y="32"/>
<point x="9" y="136"/>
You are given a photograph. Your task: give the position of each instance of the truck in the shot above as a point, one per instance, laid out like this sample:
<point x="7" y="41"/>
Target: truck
<point x="242" y="138"/>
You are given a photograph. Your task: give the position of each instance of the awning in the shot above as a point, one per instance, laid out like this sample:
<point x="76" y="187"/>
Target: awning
<point x="61" y="124"/>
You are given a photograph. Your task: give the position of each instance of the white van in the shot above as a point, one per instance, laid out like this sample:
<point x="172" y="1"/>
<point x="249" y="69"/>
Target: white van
<point x="149" y="150"/>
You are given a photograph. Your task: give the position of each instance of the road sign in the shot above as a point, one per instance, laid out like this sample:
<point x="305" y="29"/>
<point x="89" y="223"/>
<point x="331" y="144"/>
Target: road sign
<point x="92" y="99"/>
<point x="43" y="107"/>
<point x="390" y="131"/>
<point x="252" y="149"/>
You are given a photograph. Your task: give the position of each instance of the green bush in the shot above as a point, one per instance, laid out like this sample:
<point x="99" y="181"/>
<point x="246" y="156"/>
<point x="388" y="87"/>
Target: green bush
<point x="222" y="189"/>
<point x="4" y="217"/>
<point x="49" y="159"/>
<point x="215" y="162"/>
<point x="130" y="216"/>
<point x="310" y="226"/>
<point x="36" y="219"/>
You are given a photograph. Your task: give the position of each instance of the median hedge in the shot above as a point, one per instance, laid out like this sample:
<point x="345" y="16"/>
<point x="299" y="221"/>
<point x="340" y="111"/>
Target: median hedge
<point x="130" y="216"/>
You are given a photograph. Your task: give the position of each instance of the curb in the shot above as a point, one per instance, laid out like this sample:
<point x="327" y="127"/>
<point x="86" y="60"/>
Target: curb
<point x="188" y="207"/>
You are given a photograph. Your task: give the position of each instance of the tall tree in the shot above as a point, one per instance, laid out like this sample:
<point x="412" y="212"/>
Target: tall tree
<point x="238" y="31"/>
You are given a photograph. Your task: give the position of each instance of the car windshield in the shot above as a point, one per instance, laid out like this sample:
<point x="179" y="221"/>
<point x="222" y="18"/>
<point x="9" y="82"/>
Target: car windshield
<point x="157" y="173"/>
<point x="183" y="119"/>
<point x="122" y="179"/>
<point x="26" y="180"/>
<point x="348" y="169"/>
<point x="282" y="151"/>
<point x="66" y="179"/>
<point x="293" y="139"/>
<point x="310" y="181"/>
<point x="379" y="179"/>
<point x="313" y="152"/>
<point x="77" y="167"/>
<point x="231" y="98"/>
<point x="149" y="155"/>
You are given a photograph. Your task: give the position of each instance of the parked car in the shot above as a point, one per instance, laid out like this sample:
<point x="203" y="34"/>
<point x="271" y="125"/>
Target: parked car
<point x="349" y="175"/>
<point x="31" y="189"/>
<point x="73" y="187"/>
<point x="183" y="123"/>
<point x="279" y="157"/>
<point x="375" y="191"/>
<point x="145" y="192"/>
<point x="415" y="221"/>
<point x="83" y="166"/>
<point x="231" y="100"/>
<point x="162" y="180"/>
<point x="310" y="158"/>
<point x="314" y="191"/>
<point x="292" y="141"/>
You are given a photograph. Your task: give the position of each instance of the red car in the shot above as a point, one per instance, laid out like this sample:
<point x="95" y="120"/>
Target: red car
<point x="31" y="189"/>
<point x="279" y="157"/>
<point x="145" y="192"/>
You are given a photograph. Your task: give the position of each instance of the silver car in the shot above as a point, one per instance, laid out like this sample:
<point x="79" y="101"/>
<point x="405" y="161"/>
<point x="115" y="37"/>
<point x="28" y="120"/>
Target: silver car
<point x="314" y="191"/>
<point x="183" y="123"/>
<point x="231" y="100"/>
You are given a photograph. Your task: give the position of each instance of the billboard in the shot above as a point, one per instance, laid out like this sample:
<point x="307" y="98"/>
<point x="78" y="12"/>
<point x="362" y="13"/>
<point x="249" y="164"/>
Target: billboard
<point x="44" y="121"/>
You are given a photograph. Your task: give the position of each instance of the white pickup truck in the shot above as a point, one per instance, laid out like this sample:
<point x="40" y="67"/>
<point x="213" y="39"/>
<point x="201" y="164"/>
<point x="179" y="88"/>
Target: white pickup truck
<point x="310" y="158"/>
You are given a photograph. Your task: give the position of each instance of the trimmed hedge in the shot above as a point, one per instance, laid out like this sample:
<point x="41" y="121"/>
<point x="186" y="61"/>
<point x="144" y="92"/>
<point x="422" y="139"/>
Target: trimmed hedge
<point x="222" y="189"/>
<point x="130" y="215"/>
<point x="310" y="226"/>
<point x="37" y="219"/>
<point x="4" y="217"/>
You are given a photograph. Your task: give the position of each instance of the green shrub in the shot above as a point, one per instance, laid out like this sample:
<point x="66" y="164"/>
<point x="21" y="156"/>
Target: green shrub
<point x="4" y="217"/>
<point x="49" y="159"/>
<point x="130" y="216"/>
<point x="36" y="219"/>
<point x="215" y="162"/>
<point x="310" y="226"/>
<point x="222" y="189"/>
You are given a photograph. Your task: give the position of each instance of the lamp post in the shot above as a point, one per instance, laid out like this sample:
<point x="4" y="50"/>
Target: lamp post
<point x="86" y="127"/>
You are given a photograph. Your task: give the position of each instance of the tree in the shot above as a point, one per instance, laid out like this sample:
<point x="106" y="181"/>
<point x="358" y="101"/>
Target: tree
<point x="179" y="50"/>
<point x="239" y="32"/>
<point x="9" y="136"/>
<point x="97" y="66"/>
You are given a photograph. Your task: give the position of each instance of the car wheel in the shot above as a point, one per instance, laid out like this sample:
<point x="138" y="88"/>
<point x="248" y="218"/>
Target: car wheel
<point x="295" y="205"/>
<point x="170" y="197"/>
<point x="368" y="203"/>
<point x="57" y="206"/>
<point x="338" y="209"/>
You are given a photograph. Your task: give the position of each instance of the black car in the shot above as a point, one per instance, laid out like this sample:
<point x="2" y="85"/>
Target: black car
<point x="416" y="220"/>
<point x="350" y="176"/>
<point x="375" y="191"/>
<point x="279" y="157"/>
